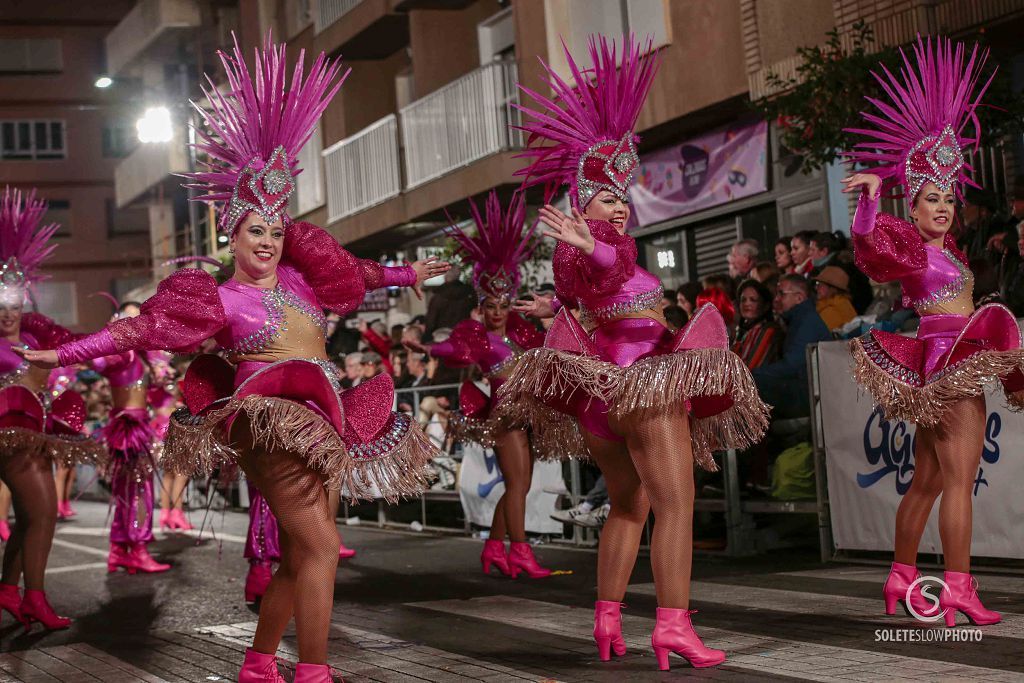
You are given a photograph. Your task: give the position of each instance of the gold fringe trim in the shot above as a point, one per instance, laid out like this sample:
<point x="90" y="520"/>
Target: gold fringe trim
<point x="200" y="444"/>
<point x="926" y="405"/>
<point x="554" y="436"/>
<point x="66" y="451"/>
<point x="547" y="373"/>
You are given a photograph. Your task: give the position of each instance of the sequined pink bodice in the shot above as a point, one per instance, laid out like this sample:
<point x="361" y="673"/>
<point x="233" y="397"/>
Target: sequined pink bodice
<point x="934" y="279"/>
<point x="471" y="344"/>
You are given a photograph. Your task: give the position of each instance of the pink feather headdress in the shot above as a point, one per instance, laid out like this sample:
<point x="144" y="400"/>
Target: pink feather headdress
<point x="499" y="248"/>
<point x="583" y="135"/>
<point x="920" y="134"/>
<point x="24" y="243"/>
<point x="257" y="130"/>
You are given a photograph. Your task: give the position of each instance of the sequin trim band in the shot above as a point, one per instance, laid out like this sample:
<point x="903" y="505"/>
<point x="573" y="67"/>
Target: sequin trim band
<point x="949" y="291"/>
<point x="274" y="300"/>
<point x="641" y="302"/>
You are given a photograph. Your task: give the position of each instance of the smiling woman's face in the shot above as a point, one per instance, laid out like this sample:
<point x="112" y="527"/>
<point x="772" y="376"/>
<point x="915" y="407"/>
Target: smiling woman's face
<point x="258" y="245"/>
<point x="605" y="206"/>
<point x="933" y="211"/>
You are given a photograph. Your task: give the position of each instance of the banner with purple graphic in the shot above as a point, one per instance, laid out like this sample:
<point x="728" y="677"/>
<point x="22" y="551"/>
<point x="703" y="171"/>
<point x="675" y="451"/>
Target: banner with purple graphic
<point x="870" y="464"/>
<point x="726" y="164"/>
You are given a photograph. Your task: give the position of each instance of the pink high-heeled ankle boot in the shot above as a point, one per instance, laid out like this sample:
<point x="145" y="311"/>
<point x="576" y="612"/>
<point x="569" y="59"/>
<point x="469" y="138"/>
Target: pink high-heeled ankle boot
<point x="165" y="519"/>
<point x="5" y="530"/>
<point x="144" y="561"/>
<point x="120" y="557"/>
<point x="10" y="601"/>
<point x="35" y="607"/>
<point x="608" y="629"/>
<point x="901" y="576"/>
<point x="521" y="559"/>
<point x="179" y="520"/>
<point x="259" y="668"/>
<point x="313" y="673"/>
<point x="963" y="596"/>
<point x="494" y="554"/>
<point x="673" y="632"/>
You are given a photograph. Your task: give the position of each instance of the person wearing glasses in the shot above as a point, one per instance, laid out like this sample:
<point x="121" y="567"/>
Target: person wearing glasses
<point x="783" y="384"/>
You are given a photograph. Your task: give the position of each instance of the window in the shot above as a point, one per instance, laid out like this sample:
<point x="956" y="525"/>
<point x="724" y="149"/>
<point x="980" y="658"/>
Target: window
<point x="133" y="221"/>
<point x="30" y="55"/>
<point x="58" y="299"/>
<point x="666" y="257"/>
<point x="29" y="140"/>
<point x="59" y="211"/>
<point x="118" y="140"/>
<point x="613" y="18"/>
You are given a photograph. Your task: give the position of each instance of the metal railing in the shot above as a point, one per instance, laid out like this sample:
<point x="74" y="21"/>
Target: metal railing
<point x="362" y="170"/>
<point x="464" y="121"/>
<point x="329" y="11"/>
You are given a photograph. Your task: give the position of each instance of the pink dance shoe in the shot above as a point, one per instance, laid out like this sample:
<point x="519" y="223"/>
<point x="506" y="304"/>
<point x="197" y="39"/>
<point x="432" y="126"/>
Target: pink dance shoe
<point x="120" y="557"/>
<point x="494" y="554"/>
<point x="673" y="632"/>
<point x="179" y="521"/>
<point x="64" y="510"/>
<point x="165" y="519"/>
<point x="345" y="553"/>
<point x="895" y="591"/>
<point x="521" y="559"/>
<point x="608" y="629"/>
<point x="5" y="530"/>
<point x="10" y="601"/>
<point x="963" y="597"/>
<point x="36" y="608"/>
<point x="313" y="673"/>
<point x="145" y="562"/>
<point x="259" y="668"/>
<point x="257" y="580"/>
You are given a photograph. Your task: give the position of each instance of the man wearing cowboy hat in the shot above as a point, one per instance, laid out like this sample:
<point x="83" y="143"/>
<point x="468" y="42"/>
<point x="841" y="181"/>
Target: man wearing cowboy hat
<point x="832" y="288"/>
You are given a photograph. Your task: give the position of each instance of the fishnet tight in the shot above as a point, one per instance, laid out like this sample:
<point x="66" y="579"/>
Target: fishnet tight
<point x="30" y="478"/>
<point x="512" y="449"/>
<point x="655" y="464"/>
<point x="946" y="459"/>
<point x="304" y="582"/>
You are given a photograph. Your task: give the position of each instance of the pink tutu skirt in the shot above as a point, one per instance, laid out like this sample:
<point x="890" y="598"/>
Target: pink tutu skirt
<point x="51" y="429"/>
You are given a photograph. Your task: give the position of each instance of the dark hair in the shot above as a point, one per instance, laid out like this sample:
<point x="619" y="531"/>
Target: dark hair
<point x="804" y="236"/>
<point x="784" y="241"/>
<point x="799" y="281"/>
<point x="418" y="320"/>
<point x="831" y="241"/>
<point x="670" y="294"/>
<point x="690" y="290"/>
<point x="762" y="291"/>
<point x="676" y="316"/>
<point x="124" y="306"/>
<point x="720" y="281"/>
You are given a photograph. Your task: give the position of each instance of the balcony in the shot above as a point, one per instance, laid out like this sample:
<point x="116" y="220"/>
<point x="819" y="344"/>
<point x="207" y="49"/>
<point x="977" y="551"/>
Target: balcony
<point x="363" y="170"/>
<point x="150" y="29"/>
<point x="464" y="121"/>
<point x="146" y="167"/>
<point x="359" y="29"/>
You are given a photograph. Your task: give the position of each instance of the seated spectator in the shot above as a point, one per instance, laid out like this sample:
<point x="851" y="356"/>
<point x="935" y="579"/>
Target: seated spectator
<point x="372" y="364"/>
<point x="397" y="359"/>
<point x="832" y="288"/>
<point x="676" y="317"/>
<point x="686" y="297"/>
<point x="758" y="337"/>
<point x="783" y="259"/>
<point x="741" y="259"/>
<point x="764" y="271"/>
<point x="783" y="384"/>
<point x="720" y="281"/>
<point x="375" y="334"/>
<point x="823" y="248"/>
<point x="415" y="370"/>
<point x="396" y="334"/>
<point x="800" y="252"/>
<point x="353" y="370"/>
<point x="720" y="300"/>
<point x="668" y="298"/>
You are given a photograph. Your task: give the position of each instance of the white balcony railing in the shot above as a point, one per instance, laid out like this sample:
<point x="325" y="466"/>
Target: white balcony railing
<point x="362" y="170"/>
<point x="464" y="121"/>
<point x="329" y="11"/>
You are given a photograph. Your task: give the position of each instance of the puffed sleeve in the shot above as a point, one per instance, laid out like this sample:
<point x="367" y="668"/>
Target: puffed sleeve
<point x="523" y="333"/>
<point x="885" y="247"/>
<point x="185" y="310"/>
<point x="464" y="346"/>
<point x="47" y="333"/>
<point x="336" y="276"/>
<point x="602" y="273"/>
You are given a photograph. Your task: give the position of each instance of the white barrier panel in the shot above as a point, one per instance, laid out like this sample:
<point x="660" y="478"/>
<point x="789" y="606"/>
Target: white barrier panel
<point x="870" y="464"/>
<point x="481" y="485"/>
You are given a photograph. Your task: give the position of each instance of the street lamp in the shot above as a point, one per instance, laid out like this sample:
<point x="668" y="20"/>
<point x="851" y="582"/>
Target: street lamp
<point x="155" y="125"/>
<point x="104" y="82"/>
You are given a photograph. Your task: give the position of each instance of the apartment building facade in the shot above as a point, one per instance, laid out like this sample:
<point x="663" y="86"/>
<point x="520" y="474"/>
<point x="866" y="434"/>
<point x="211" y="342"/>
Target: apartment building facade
<point x="63" y="136"/>
<point x="423" y="121"/>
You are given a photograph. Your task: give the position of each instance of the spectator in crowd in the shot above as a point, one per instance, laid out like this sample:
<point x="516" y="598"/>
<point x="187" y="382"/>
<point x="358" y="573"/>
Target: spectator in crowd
<point x="396" y="357"/>
<point x="832" y="291"/>
<point x="415" y="370"/>
<point x="823" y="249"/>
<point x="800" y="252"/>
<point x="741" y="259"/>
<point x="686" y="297"/>
<point x="986" y="281"/>
<point x="353" y="370"/>
<point x="758" y="336"/>
<point x="668" y="298"/>
<point x="375" y="335"/>
<point x="591" y="512"/>
<point x="721" y="300"/>
<point x="372" y="364"/>
<point x="763" y="272"/>
<point x="719" y="281"/>
<point x="343" y="340"/>
<point x="1011" y="265"/>
<point x="675" y="316"/>
<point x="783" y="257"/>
<point x="396" y="334"/>
<point x="450" y="304"/>
<point x="783" y="384"/>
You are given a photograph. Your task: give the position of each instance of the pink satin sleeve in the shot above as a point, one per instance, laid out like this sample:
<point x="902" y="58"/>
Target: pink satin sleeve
<point x="603" y="256"/>
<point x="885" y="247"/>
<point x="47" y="333"/>
<point x="465" y="345"/>
<point x="578" y="276"/>
<point x="337" y="277"/>
<point x="399" y="276"/>
<point x="95" y="345"/>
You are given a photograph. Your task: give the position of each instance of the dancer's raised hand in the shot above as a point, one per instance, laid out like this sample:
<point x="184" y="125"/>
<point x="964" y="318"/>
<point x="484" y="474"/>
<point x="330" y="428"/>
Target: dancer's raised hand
<point x="41" y="358"/>
<point x="572" y="230"/>
<point x="540" y="306"/>
<point x="869" y="182"/>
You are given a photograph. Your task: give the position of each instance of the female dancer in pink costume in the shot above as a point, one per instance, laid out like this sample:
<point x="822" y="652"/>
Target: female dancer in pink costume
<point x="651" y="402"/>
<point x="936" y="379"/>
<point x="130" y="440"/>
<point x="163" y="398"/>
<point x="37" y="428"/>
<point x="277" y="409"/>
<point x="495" y="346"/>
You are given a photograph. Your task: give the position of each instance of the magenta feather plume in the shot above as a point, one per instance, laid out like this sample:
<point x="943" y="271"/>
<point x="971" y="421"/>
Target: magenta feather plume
<point x="935" y="89"/>
<point x="259" y="113"/>
<point x="500" y="245"/>
<point x="601" y="103"/>
<point x="109" y="297"/>
<point x="22" y="238"/>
